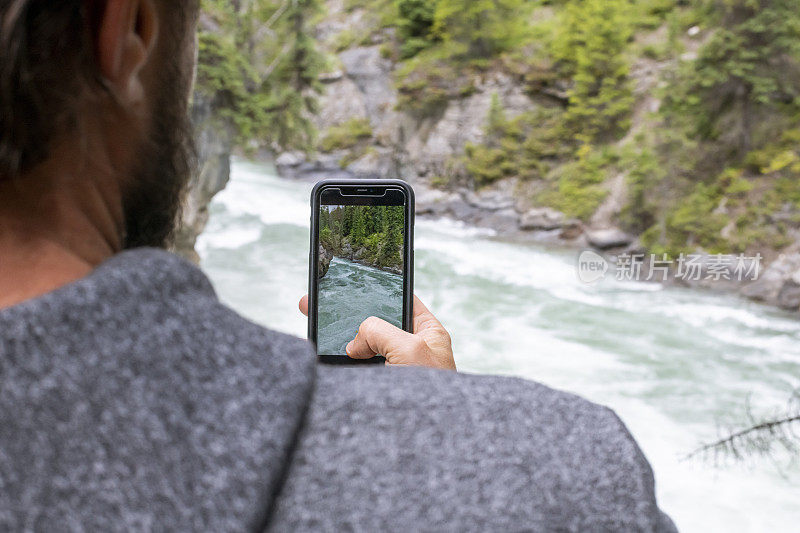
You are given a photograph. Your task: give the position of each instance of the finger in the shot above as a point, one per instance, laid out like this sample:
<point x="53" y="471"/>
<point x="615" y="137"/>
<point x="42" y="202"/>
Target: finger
<point x="376" y="336"/>
<point x="304" y="305"/>
<point x="423" y="318"/>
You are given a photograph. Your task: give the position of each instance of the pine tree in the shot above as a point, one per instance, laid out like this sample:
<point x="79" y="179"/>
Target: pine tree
<point x="295" y="78"/>
<point x="480" y="28"/>
<point x="259" y="64"/>
<point x="359" y="230"/>
<point x="590" y="47"/>
<point x="391" y="251"/>
<point x="414" y="25"/>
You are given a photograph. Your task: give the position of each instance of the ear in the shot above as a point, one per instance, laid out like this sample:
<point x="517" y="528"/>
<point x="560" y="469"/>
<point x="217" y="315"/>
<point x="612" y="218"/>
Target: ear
<point x="127" y="32"/>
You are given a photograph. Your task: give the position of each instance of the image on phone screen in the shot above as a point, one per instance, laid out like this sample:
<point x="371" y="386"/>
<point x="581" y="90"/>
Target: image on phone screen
<point x="360" y="270"/>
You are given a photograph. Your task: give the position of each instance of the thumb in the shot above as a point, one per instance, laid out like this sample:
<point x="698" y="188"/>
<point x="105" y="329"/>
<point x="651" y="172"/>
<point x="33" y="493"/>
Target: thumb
<point x="376" y="336"/>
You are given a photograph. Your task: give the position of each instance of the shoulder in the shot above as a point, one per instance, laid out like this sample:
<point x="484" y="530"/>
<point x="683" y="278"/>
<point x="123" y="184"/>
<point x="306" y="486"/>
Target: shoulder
<point x="461" y="450"/>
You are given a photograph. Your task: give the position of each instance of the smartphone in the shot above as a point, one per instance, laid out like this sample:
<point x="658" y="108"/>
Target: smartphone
<point x="361" y="261"/>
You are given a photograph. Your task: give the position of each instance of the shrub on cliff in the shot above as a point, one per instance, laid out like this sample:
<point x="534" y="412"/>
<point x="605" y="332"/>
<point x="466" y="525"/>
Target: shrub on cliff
<point x="589" y="46"/>
<point x="346" y="135"/>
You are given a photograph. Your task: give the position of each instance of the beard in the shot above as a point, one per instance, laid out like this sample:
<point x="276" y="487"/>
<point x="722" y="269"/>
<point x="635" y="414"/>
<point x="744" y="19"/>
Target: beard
<point x="166" y="160"/>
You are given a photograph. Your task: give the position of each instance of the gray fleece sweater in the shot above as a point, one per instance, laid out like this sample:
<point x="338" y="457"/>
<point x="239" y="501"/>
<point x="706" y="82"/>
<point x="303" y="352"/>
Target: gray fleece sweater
<point x="132" y="400"/>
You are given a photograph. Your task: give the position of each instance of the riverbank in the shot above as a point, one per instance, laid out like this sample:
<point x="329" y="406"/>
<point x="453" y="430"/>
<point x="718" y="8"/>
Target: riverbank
<point x="774" y="281"/>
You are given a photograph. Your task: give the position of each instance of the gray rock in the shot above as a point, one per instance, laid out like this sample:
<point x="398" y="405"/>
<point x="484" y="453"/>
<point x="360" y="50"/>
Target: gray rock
<point x="330" y="77"/>
<point x="573" y="230"/>
<point x="290" y="159"/>
<point x="372" y="75"/>
<point x="488" y="200"/>
<point x="214" y="141"/>
<point x="375" y="164"/>
<point x="433" y="202"/>
<point x="461" y="210"/>
<point x="325" y="258"/>
<point x="789" y="296"/>
<point x="767" y="288"/>
<point x="606" y="239"/>
<point x="503" y="220"/>
<point x="542" y="218"/>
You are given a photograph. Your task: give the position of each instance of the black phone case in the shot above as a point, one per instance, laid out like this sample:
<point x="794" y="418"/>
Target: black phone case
<point x="408" y="252"/>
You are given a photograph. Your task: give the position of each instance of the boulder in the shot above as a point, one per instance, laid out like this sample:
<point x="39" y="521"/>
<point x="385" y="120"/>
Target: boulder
<point x="502" y="221"/>
<point x="488" y="199"/>
<point x="572" y="230"/>
<point x="789" y="295"/>
<point x="607" y="239"/>
<point x="770" y="283"/>
<point x="541" y="219"/>
<point x="375" y="164"/>
<point x="433" y="202"/>
<point x="290" y="159"/>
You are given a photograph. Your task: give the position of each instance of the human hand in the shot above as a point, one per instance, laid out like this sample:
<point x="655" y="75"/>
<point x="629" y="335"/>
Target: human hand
<point x="429" y="345"/>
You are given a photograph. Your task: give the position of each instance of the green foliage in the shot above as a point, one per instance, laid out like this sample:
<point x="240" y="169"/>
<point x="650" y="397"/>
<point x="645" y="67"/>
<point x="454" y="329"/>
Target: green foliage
<point x="576" y="189"/>
<point x="722" y="171"/>
<point x="346" y="135"/>
<point x="590" y="47"/>
<point x="449" y="42"/>
<point x="750" y="64"/>
<point x="486" y="164"/>
<point x="374" y="234"/>
<point x="645" y="175"/>
<point x="263" y="85"/>
<point x="414" y="24"/>
<point x="695" y="221"/>
<point x="345" y="39"/>
<point x="781" y="156"/>
<point x="525" y="146"/>
<point x="428" y="81"/>
<point x="480" y="28"/>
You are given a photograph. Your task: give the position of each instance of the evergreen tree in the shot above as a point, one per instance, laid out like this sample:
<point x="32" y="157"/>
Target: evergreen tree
<point x="391" y="250"/>
<point x="259" y="64"/>
<point x="414" y="25"/>
<point x="359" y="229"/>
<point x="480" y="28"/>
<point x="348" y="214"/>
<point x="295" y="79"/>
<point x="590" y="47"/>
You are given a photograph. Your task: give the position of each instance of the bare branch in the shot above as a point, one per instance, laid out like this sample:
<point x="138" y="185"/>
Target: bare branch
<point x="760" y="437"/>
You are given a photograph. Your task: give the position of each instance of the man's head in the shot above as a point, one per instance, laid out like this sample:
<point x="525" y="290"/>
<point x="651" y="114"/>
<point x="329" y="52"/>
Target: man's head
<point x="100" y="88"/>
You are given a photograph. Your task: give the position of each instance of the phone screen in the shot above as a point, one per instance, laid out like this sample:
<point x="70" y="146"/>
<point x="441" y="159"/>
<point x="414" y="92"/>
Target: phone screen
<point x="360" y="265"/>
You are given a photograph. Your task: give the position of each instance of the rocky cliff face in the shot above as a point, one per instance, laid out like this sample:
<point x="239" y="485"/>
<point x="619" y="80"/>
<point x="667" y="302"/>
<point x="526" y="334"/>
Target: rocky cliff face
<point x="418" y="150"/>
<point x="324" y="264"/>
<point x="214" y="138"/>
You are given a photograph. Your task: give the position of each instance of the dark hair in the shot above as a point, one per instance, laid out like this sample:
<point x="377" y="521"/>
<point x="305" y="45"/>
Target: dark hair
<point x="47" y="64"/>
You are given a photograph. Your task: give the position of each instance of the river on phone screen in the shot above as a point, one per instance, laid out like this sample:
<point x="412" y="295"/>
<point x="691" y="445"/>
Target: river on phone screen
<point x="679" y="366"/>
<point x="348" y="294"/>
